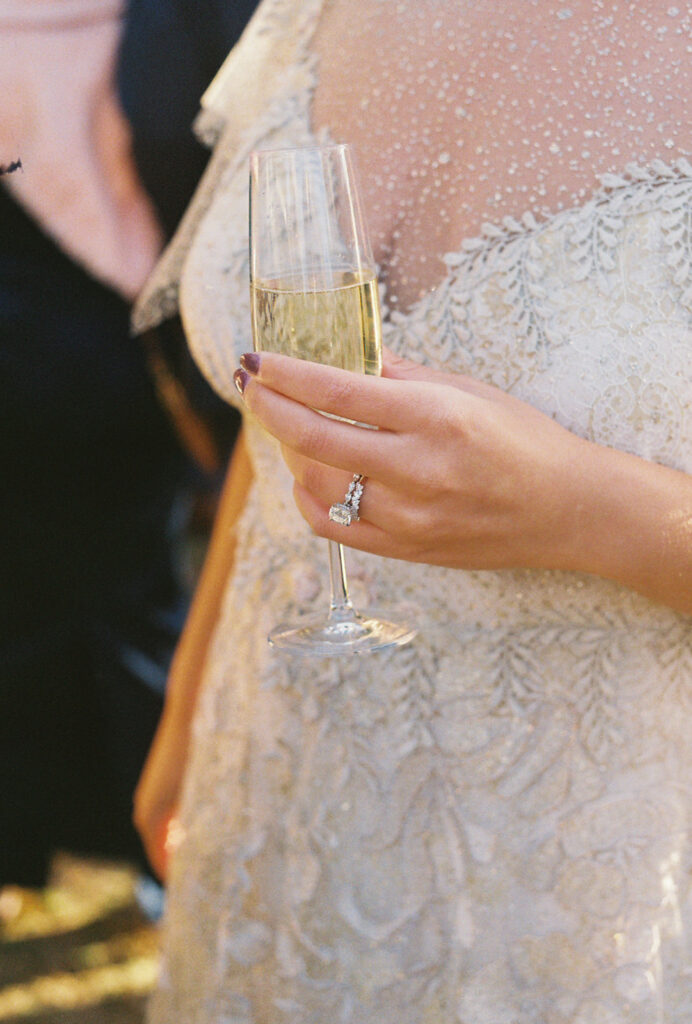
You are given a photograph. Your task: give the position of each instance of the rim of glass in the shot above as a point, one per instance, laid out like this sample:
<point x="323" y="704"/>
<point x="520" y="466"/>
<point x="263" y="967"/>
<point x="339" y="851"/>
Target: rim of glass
<point x="272" y="150"/>
<point x="345" y="152"/>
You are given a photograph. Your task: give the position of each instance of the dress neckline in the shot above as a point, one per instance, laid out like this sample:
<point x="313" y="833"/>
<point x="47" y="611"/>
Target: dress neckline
<point x="494" y="236"/>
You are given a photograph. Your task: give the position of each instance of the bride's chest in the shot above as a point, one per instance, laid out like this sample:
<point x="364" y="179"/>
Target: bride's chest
<point x="587" y="317"/>
<point x="472" y="113"/>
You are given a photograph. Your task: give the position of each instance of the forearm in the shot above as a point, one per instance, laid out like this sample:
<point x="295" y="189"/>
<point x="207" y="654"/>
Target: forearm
<point x="190" y="655"/>
<point x="633" y="524"/>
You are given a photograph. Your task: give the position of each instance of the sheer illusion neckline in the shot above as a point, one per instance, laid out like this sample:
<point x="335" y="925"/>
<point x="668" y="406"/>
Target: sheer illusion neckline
<point x="290" y="105"/>
<point x="522" y="106"/>
<point x="636" y="181"/>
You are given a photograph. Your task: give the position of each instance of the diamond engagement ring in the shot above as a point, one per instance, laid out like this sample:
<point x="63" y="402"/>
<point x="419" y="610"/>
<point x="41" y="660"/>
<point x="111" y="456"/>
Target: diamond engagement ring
<point x="346" y="512"/>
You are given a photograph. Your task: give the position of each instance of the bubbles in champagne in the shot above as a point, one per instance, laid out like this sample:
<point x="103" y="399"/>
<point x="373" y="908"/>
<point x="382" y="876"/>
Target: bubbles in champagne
<point x="336" y="323"/>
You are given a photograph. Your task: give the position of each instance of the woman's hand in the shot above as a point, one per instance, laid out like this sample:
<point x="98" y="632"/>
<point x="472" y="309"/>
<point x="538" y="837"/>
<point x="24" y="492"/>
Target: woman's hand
<point x="458" y="473"/>
<point x="158" y="793"/>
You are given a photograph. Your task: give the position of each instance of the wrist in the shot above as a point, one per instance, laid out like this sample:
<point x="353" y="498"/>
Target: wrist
<point x="629" y="524"/>
<point x="604" y="526"/>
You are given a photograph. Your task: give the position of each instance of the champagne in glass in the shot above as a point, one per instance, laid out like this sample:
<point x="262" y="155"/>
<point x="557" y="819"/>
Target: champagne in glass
<point x="314" y="296"/>
<point x="338" y="323"/>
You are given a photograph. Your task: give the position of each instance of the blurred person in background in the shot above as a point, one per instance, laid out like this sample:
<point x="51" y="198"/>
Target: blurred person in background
<point x="100" y="159"/>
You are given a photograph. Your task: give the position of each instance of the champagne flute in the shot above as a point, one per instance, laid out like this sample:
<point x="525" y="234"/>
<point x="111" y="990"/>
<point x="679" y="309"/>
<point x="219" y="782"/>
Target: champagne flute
<point x="314" y="296"/>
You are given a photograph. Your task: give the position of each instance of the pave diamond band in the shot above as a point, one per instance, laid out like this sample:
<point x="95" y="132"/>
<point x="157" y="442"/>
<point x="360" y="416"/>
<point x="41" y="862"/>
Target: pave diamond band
<point x="346" y="512"/>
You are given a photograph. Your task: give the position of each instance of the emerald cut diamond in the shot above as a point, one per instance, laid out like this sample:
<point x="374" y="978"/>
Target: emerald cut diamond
<point x="341" y="514"/>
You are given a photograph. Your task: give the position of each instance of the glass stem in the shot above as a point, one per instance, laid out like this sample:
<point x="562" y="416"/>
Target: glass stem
<point x="339" y="602"/>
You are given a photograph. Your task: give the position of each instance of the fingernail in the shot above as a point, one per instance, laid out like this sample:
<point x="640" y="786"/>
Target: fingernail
<point x="250" y="361"/>
<point x="240" y="379"/>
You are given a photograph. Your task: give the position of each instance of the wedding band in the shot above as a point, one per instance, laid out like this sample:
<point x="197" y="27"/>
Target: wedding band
<point x="346" y="512"/>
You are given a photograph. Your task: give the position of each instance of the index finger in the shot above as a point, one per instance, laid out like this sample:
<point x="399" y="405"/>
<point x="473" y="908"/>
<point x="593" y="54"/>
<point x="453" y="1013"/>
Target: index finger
<point x="363" y="398"/>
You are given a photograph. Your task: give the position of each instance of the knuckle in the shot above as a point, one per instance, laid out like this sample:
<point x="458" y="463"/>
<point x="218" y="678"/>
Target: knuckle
<point x="310" y="437"/>
<point x="450" y="419"/>
<point x="319" y="526"/>
<point x="409" y="523"/>
<point x="309" y="511"/>
<point x="400" y="365"/>
<point x="442" y="482"/>
<point x="312" y="477"/>
<point x="338" y="392"/>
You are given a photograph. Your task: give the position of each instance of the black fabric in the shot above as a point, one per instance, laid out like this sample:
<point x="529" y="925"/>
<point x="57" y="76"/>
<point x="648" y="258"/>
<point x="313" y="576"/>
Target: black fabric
<point x="90" y="475"/>
<point x="91" y="480"/>
<point x="169" y="54"/>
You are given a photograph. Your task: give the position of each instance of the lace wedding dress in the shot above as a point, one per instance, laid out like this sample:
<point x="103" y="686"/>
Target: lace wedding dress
<point x="491" y="826"/>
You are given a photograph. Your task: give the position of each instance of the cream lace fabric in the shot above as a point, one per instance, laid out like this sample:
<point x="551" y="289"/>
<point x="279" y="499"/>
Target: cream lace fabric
<point x="491" y="826"/>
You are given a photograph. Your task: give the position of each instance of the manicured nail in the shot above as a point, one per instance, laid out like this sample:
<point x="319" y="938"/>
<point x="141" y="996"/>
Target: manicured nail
<point x="240" y="379"/>
<point x="250" y="361"/>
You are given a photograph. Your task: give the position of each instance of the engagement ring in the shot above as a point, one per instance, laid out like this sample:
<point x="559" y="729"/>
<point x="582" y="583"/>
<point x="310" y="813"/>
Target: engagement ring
<point x="346" y="512"/>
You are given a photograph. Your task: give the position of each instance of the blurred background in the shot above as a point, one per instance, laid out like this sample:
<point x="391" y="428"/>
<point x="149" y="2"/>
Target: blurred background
<point x="112" y="453"/>
<point x="82" y="950"/>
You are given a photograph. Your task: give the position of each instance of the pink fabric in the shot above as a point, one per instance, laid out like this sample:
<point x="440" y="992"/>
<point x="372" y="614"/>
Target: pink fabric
<point x="60" y="116"/>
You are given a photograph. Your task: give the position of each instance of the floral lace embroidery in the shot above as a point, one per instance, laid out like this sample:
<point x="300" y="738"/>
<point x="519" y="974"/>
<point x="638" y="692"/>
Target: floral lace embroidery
<point x="512" y="252"/>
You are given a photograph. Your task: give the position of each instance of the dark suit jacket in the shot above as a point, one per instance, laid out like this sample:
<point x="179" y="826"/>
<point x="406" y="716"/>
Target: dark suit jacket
<point x="90" y="472"/>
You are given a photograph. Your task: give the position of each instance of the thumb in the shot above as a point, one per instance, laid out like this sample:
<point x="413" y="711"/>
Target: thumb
<point x="398" y="368"/>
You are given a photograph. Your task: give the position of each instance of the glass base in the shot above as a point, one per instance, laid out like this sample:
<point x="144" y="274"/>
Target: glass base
<point x="342" y="632"/>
